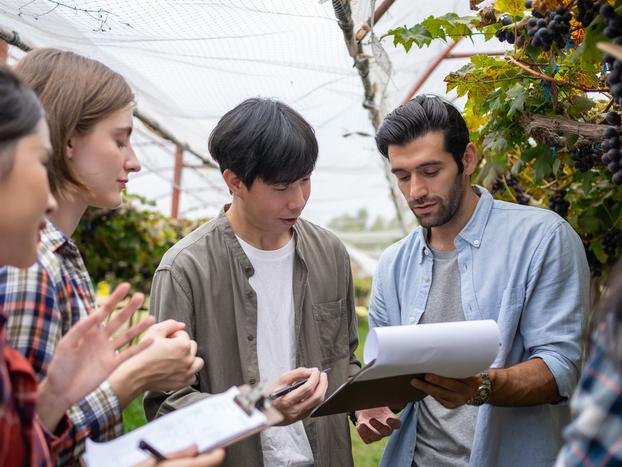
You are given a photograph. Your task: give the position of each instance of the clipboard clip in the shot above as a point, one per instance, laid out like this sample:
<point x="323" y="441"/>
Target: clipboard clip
<point x="252" y="397"/>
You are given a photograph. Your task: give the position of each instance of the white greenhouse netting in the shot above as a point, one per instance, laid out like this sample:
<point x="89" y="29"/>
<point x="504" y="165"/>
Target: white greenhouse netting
<point x="191" y="61"/>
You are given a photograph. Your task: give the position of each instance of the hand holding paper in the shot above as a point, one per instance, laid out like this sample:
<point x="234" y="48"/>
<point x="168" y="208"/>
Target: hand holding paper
<point x="395" y="354"/>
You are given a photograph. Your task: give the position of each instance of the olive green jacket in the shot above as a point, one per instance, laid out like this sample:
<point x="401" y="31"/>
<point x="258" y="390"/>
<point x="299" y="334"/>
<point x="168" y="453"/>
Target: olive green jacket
<point x="203" y="281"/>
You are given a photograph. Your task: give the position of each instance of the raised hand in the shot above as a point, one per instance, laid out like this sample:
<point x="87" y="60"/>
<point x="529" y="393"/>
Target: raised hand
<point x="170" y="363"/>
<point x="87" y="355"/>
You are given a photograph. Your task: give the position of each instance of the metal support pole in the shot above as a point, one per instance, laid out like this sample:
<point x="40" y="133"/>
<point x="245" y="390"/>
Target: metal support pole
<point x="426" y="74"/>
<point x="179" y="165"/>
<point x="378" y="12"/>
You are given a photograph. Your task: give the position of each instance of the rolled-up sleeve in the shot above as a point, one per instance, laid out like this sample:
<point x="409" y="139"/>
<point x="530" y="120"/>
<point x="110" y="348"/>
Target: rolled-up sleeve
<point x="556" y="304"/>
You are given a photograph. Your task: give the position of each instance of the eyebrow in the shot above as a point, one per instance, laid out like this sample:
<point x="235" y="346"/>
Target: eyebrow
<point x="420" y="166"/>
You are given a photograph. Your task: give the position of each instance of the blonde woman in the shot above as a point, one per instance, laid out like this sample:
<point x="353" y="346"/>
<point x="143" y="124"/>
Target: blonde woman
<point x="33" y="423"/>
<point x="89" y="111"/>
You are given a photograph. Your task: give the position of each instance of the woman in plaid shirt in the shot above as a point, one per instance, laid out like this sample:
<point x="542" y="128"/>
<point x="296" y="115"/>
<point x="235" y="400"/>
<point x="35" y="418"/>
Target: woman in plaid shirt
<point x="33" y="423"/>
<point x="594" y="438"/>
<point x="89" y="111"/>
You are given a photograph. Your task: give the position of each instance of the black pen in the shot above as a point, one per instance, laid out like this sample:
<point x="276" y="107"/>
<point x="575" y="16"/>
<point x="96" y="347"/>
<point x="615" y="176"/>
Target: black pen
<point x="148" y="448"/>
<point x="290" y="387"/>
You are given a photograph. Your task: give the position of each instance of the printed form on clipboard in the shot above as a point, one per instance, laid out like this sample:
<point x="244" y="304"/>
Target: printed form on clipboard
<point x="216" y="421"/>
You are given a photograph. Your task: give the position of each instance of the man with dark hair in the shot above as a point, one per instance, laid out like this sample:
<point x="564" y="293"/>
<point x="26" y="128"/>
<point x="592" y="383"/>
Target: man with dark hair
<point x="473" y="257"/>
<point x="267" y="296"/>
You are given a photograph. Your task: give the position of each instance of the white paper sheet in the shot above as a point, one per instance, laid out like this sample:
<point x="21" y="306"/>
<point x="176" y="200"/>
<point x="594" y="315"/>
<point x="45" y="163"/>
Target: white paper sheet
<point x="208" y="423"/>
<point x="455" y="350"/>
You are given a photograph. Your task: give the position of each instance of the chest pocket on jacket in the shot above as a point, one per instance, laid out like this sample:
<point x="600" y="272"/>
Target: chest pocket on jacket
<point x="332" y="323"/>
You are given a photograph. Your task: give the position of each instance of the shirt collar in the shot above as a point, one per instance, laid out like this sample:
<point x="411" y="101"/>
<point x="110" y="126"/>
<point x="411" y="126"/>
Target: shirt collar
<point x="53" y="239"/>
<point x="236" y="249"/>
<point x="472" y="232"/>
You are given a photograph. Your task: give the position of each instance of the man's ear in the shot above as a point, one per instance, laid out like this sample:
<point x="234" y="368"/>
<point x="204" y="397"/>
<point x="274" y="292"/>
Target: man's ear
<point x="469" y="159"/>
<point x="235" y="184"/>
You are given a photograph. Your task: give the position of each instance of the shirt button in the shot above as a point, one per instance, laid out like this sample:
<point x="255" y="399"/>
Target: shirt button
<point x="476" y="242"/>
<point x="426" y="252"/>
<point x="250" y="337"/>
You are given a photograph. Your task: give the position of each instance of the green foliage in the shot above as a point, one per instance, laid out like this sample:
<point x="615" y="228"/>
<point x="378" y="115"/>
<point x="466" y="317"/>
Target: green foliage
<point x="128" y="243"/>
<point x="134" y="415"/>
<point x="523" y="160"/>
<point x="449" y="25"/>
<point x="362" y="289"/>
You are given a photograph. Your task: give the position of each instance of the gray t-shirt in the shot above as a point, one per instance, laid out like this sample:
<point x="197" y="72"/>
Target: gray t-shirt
<point x="444" y="436"/>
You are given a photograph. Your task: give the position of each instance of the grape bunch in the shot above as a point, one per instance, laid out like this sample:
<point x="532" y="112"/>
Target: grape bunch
<point x="558" y="204"/>
<point x="613" y="31"/>
<point x="587" y="11"/>
<point x="596" y="267"/>
<point x="611" y="242"/>
<point x="584" y="158"/>
<point x="612" y="155"/>
<point x="613" y="22"/>
<point x="506" y="35"/>
<point x="519" y="192"/>
<point x="550" y="28"/>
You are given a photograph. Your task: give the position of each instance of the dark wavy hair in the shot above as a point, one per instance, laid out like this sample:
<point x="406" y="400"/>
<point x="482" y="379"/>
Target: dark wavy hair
<point x="419" y="116"/>
<point x="20" y="112"/>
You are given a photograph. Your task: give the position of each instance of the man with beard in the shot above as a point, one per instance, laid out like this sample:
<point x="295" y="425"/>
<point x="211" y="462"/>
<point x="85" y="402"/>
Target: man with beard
<point x="473" y="257"/>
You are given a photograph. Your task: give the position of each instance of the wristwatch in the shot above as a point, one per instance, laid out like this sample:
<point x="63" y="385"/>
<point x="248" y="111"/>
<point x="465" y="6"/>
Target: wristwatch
<point x="483" y="391"/>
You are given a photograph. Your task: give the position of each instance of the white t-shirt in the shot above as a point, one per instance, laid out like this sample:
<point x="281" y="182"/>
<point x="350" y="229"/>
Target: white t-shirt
<point x="283" y="446"/>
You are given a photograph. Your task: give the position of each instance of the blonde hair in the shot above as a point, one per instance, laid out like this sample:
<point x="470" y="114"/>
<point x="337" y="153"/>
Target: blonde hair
<point x="76" y="93"/>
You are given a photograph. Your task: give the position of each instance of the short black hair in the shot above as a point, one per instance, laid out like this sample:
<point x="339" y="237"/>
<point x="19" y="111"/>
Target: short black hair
<point x="419" y="116"/>
<point x="20" y="112"/>
<point x="264" y="138"/>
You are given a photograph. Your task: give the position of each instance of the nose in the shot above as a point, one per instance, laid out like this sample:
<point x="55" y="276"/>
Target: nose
<point x="418" y="188"/>
<point x="51" y="204"/>
<point x="131" y="163"/>
<point x="298" y="198"/>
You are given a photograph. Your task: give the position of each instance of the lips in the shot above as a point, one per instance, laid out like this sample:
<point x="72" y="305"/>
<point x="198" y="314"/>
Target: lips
<point x="290" y="220"/>
<point x="424" y="208"/>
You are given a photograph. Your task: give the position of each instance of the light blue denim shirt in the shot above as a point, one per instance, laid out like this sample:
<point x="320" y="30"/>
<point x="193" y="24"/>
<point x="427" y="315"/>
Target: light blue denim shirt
<point x="525" y="268"/>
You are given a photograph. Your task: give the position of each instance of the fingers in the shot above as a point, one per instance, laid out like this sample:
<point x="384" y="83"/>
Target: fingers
<point x="305" y="391"/>
<point x="133" y="350"/>
<point x="79" y="329"/>
<point x="167" y="328"/>
<point x="124" y="315"/>
<point x="132" y="332"/>
<point x="375" y="424"/>
<point x="210" y="459"/>
<point x="118" y="294"/>
<point x="451" y="393"/>
<point x="368" y="434"/>
<point x="394" y="422"/>
<point x="196" y="365"/>
<point x="292" y="376"/>
<point x="381" y="428"/>
<point x="189" y="458"/>
<point x="191" y="451"/>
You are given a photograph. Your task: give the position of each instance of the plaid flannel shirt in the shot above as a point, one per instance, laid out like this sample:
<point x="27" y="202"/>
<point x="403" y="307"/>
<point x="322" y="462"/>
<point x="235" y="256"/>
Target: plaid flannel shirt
<point x="42" y="303"/>
<point x="23" y="440"/>
<point x="594" y="438"/>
